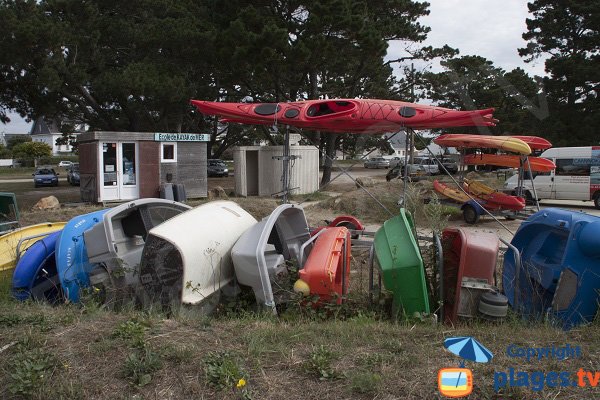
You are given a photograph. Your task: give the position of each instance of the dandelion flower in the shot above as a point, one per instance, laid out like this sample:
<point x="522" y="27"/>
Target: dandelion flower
<point x="241" y="383"/>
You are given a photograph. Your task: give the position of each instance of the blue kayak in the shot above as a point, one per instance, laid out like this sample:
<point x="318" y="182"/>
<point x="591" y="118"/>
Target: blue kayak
<point x="35" y="275"/>
<point x="71" y="255"/>
<point x="559" y="274"/>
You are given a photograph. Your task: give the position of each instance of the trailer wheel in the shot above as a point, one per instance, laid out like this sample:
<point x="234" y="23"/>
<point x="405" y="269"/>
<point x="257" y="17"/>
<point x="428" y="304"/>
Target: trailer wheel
<point x="597" y="200"/>
<point x="470" y="214"/>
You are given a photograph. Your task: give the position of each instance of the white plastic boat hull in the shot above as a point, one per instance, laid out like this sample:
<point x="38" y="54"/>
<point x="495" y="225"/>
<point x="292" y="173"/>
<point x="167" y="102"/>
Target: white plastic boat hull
<point x="187" y="259"/>
<point x="261" y="249"/>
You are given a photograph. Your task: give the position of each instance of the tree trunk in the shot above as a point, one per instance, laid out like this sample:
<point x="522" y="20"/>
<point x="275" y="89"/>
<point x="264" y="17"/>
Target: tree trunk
<point x="330" y="146"/>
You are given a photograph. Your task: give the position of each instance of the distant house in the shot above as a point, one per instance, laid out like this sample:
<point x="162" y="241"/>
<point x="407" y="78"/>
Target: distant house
<point x="438" y="150"/>
<point x="47" y="131"/>
<point x="398" y="143"/>
<point x="6" y="137"/>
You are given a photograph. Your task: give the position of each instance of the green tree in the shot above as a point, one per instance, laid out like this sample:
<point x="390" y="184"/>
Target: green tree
<point x="4" y="152"/>
<point x="473" y="82"/>
<point x="133" y="66"/>
<point x="297" y="50"/>
<point x="119" y="66"/>
<point x="32" y="151"/>
<point x="17" y="139"/>
<point x="567" y="32"/>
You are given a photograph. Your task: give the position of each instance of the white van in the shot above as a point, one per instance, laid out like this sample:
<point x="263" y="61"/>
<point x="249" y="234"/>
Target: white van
<point x="576" y="177"/>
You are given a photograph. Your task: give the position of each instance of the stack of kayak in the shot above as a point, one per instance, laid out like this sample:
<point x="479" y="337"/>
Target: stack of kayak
<point x="477" y="197"/>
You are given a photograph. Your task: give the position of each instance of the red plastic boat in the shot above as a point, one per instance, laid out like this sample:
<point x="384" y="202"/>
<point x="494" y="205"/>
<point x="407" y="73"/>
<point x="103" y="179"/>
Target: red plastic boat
<point x="467" y="254"/>
<point x="323" y="270"/>
<point x="538" y="164"/>
<point x="347" y="115"/>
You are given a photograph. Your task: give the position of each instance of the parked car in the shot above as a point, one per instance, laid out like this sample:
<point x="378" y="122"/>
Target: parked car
<point x="65" y="164"/>
<point x="377" y="162"/>
<point x="430" y="164"/>
<point x="217" y="167"/>
<point x="45" y="176"/>
<point x="73" y="174"/>
<point x="448" y="163"/>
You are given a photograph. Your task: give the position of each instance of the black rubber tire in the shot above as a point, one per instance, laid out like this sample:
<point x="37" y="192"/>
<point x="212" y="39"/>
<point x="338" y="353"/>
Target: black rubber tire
<point x="350" y="226"/>
<point x="470" y="214"/>
<point x="597" y="201"/>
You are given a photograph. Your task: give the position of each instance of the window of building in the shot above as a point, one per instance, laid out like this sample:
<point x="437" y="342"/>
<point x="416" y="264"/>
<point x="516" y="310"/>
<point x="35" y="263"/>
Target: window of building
<point x="168" y="152"/>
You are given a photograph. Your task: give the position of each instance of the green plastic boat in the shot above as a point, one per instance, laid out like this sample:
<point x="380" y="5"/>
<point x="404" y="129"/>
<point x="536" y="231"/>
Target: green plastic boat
<point x="401" y="265"/>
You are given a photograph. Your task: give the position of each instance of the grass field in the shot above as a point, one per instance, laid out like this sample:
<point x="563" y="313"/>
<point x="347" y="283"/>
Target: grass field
<point x="352" y="351"/>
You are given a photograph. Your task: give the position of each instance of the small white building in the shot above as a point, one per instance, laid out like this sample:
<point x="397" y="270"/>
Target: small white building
<point x="259" y="169"/>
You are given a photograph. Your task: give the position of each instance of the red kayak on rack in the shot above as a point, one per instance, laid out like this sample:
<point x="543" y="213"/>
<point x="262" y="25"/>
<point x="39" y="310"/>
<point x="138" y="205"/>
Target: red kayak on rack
<point x="538" y="164"/>
<point x="347" y="115"/>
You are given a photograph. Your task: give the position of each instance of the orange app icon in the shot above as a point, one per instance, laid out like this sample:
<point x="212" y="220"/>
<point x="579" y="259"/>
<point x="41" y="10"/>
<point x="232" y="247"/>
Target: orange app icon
<point x="455" y="382"/>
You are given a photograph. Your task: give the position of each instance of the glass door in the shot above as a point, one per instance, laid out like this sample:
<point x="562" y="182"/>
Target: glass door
<point x="119" y="178"/>
<point x="109" y="185"/>
<point x="129" y="186"/>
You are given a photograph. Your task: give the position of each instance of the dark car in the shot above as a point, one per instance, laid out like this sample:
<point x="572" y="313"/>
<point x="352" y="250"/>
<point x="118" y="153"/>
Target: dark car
<point x="448" y="163"/>
<point x="73" y="174"/>
<point x="45" y="177"/>
<point x="217" y="168"/>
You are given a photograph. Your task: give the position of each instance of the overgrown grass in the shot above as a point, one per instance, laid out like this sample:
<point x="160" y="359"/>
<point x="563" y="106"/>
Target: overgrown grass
<point x="352" y="351"/>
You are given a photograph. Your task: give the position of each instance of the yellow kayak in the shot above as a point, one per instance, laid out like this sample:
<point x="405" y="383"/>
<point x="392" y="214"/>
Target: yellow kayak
<point x="451" y="193"/>
<point x="29" y="235"/>
<point x="505" y="143"/>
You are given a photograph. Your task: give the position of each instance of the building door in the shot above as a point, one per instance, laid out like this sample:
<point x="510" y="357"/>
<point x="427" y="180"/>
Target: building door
<point x="119" y="171"/>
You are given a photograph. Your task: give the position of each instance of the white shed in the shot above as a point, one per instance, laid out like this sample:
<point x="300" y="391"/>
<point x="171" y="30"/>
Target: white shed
<point x="259" y="170"/>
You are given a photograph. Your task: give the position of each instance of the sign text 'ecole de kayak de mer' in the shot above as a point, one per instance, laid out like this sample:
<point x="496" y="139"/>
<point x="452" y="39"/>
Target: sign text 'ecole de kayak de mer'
<point x="181" y="137"/>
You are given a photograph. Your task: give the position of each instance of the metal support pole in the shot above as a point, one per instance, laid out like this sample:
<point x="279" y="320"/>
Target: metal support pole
<point x="286" y="164"/>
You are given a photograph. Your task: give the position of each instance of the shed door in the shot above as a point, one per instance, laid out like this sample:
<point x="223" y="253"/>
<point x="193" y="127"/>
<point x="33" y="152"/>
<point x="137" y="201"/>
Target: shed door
<point x="119" y="171"/>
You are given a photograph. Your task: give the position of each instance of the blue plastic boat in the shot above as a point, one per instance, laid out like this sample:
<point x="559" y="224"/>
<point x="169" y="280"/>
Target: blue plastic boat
<point x="35" y="275"/>
<point x="559" y="273"/>
<point x="71" y="255"/>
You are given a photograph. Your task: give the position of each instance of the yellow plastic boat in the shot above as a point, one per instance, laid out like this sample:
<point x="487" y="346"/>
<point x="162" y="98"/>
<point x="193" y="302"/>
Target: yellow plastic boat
<point x="27" y="236"/>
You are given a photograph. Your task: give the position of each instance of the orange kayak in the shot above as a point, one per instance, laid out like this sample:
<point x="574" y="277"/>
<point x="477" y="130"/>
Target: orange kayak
<point x="505" y="143"/>
<point x="347" y="115"/>
<point x="538" y="164"/>
<point x="447" y="191"/>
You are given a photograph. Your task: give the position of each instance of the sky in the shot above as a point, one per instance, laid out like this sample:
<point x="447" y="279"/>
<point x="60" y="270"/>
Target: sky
<point x="488" y="28"/>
